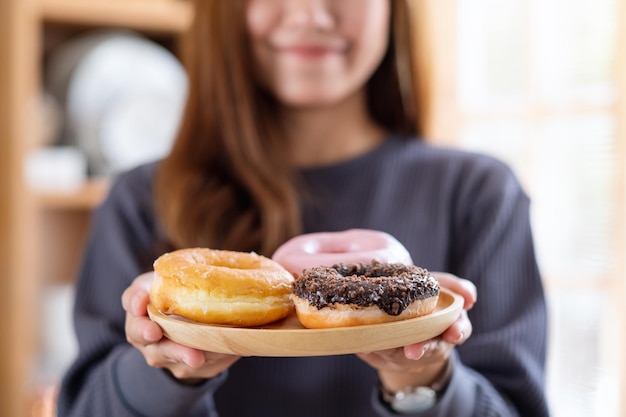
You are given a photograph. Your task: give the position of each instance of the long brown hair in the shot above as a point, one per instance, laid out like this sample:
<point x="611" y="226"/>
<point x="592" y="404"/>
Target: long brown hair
<point x="227" y="182"/>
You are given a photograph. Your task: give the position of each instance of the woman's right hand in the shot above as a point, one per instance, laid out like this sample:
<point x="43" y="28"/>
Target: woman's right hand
<point x="186" y="364"/>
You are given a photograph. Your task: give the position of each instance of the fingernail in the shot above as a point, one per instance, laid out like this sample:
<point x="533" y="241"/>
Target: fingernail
<point x="413" y="354"/>
<point x="460" y="338"/>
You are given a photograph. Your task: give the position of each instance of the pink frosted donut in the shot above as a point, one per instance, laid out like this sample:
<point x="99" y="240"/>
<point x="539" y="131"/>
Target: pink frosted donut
<point x="347" y="247"/>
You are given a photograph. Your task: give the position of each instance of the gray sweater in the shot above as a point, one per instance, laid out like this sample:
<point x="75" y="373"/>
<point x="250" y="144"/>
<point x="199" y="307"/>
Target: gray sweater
<point x="454" y="211"/>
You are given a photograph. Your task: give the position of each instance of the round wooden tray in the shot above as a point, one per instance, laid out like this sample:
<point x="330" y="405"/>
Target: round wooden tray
<point x="289" y="338"/>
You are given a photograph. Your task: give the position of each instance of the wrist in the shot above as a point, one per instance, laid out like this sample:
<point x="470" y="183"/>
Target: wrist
<point x="398" y="380"/>
<point x="190" y="382"/>
<point x="417" y="397"/>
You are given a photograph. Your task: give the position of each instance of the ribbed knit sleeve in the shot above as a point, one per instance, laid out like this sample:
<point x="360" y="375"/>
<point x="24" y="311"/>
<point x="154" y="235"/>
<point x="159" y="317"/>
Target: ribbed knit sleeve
<point x="500" y="371"/>
<point x="110" y="377"/>
<point x="493" y="246"/>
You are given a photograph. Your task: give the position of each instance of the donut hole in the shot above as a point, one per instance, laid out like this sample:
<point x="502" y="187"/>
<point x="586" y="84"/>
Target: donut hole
<point x="317" y="247"/>
<point x="222" y="259"/>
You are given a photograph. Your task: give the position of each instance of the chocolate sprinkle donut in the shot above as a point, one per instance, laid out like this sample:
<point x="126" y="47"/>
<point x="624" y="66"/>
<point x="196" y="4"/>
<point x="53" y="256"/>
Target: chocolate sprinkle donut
<point x="391" y="287"/>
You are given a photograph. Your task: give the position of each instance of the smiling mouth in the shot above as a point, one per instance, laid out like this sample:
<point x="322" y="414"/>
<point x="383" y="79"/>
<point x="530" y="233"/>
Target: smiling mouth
<point x="307" y="51"/>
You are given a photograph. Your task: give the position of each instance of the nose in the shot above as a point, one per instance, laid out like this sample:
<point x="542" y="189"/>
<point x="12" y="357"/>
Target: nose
<point x="308" y="13"/>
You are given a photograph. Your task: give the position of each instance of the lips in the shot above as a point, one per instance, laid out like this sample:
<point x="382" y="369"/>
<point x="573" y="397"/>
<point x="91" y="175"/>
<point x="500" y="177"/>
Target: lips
<point x="309" y="51"/>
<point x="311" y="48"/>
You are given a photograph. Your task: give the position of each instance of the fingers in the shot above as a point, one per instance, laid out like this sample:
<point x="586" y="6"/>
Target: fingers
<point x="459" y="331"/>
<point x="159" y="352"/>
<point x="413" y="352"/>
<point x="185" y="362"/>
<point x="460" y="286"/>
<point x="454" y="335"/>
<point x="391" y="359"/>
<point x="424" y="357"/>
<point x="135" y="298"/>
<point x="144" y="280"/>
<point x="166" y="353"/>
<point x="416" y="351"/>
<point x="411" y="359"/>
<point x="140" y="330"/>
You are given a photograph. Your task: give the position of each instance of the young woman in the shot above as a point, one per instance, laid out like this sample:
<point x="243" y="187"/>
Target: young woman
<point x="302" y="117"/>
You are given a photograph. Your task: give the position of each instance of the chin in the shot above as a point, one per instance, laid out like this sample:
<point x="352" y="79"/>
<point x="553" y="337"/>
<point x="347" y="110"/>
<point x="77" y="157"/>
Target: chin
<point x="312" y="98"/>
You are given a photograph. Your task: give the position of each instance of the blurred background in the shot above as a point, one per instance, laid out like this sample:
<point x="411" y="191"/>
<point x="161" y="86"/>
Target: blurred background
<point x="92" y="87"/>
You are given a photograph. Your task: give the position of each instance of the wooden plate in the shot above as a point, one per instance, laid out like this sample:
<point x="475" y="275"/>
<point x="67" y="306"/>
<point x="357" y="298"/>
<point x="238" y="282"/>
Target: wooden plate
<point x="289" y="338"/>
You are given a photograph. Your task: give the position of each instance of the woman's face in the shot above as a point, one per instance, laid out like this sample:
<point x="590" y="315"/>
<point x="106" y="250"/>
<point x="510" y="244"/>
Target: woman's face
<point x="311" y="53"/>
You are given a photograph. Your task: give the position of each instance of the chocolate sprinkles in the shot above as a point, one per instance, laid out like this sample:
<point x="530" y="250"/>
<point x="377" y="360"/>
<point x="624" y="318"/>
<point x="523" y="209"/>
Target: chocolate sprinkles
<point x="391" y="287"/>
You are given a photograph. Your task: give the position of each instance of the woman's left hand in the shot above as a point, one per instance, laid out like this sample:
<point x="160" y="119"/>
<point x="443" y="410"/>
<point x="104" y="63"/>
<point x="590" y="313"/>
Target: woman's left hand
<point x="420" y="363"/>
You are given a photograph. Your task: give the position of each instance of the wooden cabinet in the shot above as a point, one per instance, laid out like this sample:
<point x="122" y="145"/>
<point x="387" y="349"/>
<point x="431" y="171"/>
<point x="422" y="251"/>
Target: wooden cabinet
<point x="41" y="235"/>
<point x="155" y="16"/>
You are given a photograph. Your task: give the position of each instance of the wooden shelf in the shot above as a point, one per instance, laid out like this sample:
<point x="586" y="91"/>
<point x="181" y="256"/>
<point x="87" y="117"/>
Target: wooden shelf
<point x="159" y="16"/>
<point x="44" y="233"/>
<point x="88" y="197"/>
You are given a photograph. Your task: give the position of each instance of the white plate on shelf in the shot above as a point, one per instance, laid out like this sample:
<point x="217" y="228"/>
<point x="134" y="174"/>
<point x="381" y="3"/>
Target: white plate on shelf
<point x="123" y="97"/>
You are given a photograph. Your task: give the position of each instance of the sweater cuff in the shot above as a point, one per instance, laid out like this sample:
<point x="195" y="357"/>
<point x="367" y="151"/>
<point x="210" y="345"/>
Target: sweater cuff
<point x="148" y="391"/>
<point x="457" y="400"/>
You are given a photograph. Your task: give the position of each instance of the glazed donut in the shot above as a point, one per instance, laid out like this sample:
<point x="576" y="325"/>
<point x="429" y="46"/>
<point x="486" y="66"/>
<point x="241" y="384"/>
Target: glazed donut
<point x="358" y="294"/>
<point x="330" y="248"/>
<point x="221" y="287"/>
